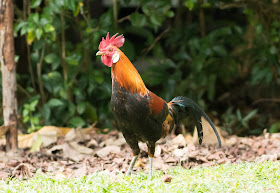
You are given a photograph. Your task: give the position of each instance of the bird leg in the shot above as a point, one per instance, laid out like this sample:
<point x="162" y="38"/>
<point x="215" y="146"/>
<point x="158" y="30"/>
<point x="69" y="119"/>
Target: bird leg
<point x="132" y="163"/>
<point x="133" y="144"/>
<point x="151" y="167"/>
<point x="151" y="151"/>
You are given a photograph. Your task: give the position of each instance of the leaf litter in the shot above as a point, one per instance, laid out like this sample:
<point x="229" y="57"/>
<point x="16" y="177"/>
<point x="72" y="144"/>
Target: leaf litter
<point x="79" y="152"/>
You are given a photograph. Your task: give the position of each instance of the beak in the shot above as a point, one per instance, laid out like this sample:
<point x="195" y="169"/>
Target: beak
<point x="99" y="53"/>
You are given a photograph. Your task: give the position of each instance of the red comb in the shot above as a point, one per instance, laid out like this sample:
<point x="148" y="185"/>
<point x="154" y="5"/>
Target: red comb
<point x="115" y="41"/>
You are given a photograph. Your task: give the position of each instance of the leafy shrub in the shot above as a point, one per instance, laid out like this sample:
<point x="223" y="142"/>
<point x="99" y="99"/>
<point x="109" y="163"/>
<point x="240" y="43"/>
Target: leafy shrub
<point x="207" y="49"/>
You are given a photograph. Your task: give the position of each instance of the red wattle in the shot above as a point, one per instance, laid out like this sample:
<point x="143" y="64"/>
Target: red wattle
<point x="107" y="60"/>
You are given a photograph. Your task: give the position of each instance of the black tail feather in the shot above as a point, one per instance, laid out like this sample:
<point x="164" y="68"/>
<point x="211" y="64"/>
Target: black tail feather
<point x="181" y="107"/>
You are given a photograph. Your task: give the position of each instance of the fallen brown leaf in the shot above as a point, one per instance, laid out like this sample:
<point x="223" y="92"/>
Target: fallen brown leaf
<point x="171" y="160"/>
<point x="178" y="141"/>
<point x="76" y="135"/>
<point x="60" y="176"/>
<point x="157" y="151"/>
<point x="92" y="143"/>
<point x="4" y="175"/>
<point x="160" y="164"/>
<point x="118" y="160"/>
<point x="104" y="152"/>
<point x="22" y="171"/>
<point x="167" y="178"/>
<point x="81" y="171"/>
<point x="75" y="151"/>
<point x="216" y="156"/>
<point x="264" y="158"/>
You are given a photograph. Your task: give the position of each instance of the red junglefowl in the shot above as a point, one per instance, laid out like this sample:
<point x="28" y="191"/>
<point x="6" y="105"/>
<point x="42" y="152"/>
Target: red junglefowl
<point x="140" y="114"/>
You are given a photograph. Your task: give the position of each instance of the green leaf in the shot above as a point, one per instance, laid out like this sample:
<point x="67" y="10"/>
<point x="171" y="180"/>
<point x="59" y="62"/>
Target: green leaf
<point x="55" y="103"/>
<point x="38" y="45"/>
<point x="51" y="58"/>
<point x="243" y="123"/>
<point x="16" y="58"/>
<point x="138" y="20"/>
<point x="24" y="30"/>
<point x="155" y="20"/>
<point x="71" y="109"/>
<point x="46" y="112"/>
<point x="25" y="112"/>
<point x="220" y="50"/>
<point x="107" y="20"/>
<point x="77" y="11"/>
<point x="33" y="104"/>
<point x="73" y="60"/>
<point x="38" y="33"/>
<point x="70" y="4"/>
<point x="81" y="107"/>
<point x="53" y="82"/>
<point x="76" y="122"/>
<point x="250" y="115"/>
<point x="273" y="50"/>
<point x="238" y="113"/>
<point x="31" y="26"/>
<point x="48" y="28"/>
<point x="43" y="21"/>
<point x="91" y="113"/>
<point x="259" y="29"/>
<point x="25" y="119"/>
<point x="35" y="18"/>
<point x="20" y="26"/>
<point x="30" y="37"/>
<point x="275" y="128"/>
<point x="35" y="120"/>
<point x="26" y="105"/>
<point x="189" y="4"/>
<point x="170" y="14"/>
<point x="206" y="5"/>
<point x="35" y="3"/>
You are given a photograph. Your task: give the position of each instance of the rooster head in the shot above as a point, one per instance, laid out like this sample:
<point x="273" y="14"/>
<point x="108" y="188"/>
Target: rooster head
<point x="108" y="49"/>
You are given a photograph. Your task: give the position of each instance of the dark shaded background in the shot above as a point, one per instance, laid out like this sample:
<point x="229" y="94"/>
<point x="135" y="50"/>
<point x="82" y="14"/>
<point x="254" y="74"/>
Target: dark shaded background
<point x="223" y="54"/>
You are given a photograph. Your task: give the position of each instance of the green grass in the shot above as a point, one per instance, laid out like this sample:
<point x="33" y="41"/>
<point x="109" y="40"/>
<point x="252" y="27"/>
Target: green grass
<point x="248" y="177"/>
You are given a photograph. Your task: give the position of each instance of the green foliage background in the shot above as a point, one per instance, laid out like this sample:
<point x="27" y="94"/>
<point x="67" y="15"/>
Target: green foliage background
<point x="223" y="54"/>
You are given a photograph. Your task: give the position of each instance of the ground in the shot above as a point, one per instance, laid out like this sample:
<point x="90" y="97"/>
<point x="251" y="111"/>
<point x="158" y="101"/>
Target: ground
<point x="78" y="154"/>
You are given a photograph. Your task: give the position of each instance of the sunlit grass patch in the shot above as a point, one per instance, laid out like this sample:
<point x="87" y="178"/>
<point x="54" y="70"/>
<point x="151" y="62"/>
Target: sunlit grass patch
<point x="248" y="177"/>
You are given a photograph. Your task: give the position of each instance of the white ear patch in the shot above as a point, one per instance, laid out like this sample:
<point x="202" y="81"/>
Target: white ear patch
<point x="115" y="58"/>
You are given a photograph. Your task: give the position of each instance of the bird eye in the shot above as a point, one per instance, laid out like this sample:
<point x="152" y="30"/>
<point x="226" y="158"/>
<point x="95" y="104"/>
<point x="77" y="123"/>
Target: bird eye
<point x="110" y="49"/>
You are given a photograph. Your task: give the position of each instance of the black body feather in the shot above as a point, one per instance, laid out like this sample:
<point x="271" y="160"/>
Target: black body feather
<point x="134" y="119"/>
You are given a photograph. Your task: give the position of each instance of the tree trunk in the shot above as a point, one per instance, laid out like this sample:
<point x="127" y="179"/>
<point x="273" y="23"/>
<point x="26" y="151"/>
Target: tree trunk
<point x="8" y="70"/>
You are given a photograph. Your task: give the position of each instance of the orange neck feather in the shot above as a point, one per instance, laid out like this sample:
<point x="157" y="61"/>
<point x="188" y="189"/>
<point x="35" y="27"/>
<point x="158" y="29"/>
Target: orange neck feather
<point x="127" y="76"/>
